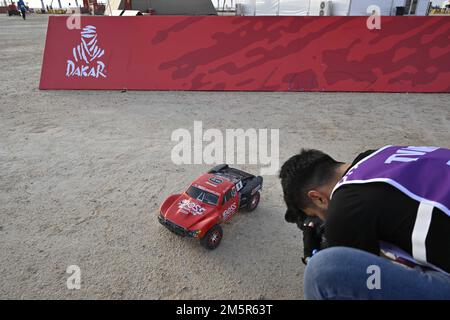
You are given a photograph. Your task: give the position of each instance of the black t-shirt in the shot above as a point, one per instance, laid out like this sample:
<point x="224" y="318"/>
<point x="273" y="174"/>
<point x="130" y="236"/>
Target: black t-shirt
<point x="361" y="215"/>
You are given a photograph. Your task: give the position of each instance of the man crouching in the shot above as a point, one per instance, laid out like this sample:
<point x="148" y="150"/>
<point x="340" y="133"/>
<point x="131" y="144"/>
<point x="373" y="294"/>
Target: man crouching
<point x="394" y="201"/>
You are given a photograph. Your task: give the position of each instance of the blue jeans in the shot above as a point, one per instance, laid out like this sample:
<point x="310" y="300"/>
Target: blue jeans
<point x="342" y="273"/>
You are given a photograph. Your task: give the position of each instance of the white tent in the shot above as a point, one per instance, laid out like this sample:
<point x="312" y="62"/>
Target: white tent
<point x="336" y="7"/>
<point x="111" y="6"/>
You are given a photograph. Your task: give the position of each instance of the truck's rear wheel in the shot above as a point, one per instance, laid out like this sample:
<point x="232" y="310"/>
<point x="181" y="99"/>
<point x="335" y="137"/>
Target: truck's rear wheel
<point x="253" y="202"/>
<point x="212" y="238"/>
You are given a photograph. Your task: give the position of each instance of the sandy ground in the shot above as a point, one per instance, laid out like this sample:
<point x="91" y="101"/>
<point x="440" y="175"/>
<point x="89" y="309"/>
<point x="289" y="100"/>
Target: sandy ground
<point x="82" y="175"/>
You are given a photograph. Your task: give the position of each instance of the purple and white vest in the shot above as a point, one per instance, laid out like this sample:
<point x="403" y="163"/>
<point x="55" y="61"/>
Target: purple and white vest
<point x="422" y="173"/>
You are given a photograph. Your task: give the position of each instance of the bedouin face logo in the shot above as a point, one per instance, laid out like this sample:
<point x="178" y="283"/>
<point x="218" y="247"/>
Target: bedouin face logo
<point x="86" y="61"/>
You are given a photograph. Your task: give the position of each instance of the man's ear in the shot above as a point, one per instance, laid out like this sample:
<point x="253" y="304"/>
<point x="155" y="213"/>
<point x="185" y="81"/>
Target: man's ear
<point x="318" y="198"/>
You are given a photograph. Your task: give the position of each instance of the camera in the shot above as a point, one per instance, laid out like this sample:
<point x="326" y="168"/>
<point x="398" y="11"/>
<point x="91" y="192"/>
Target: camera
<point x="313" y="236"/>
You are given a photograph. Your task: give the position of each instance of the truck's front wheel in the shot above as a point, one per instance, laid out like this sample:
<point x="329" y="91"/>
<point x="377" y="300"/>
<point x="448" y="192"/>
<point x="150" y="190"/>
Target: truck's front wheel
<point x="212" y="238"/>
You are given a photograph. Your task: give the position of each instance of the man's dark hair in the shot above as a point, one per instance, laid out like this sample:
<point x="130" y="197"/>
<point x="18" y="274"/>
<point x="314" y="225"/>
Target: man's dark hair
<point x="302" y="172"/>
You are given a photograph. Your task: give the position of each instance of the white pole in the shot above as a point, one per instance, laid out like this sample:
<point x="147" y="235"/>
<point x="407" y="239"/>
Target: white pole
<point x="110" y="9"/>
<point x="309" y="8"/>
<point x="392" y="7"/>
<point x="349" y="7"/>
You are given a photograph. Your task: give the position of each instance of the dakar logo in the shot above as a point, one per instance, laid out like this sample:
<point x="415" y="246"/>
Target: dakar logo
<point x="86" y="57"/>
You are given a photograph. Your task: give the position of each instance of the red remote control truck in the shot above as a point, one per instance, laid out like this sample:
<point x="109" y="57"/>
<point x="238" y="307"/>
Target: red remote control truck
<point x="211" y="199"/>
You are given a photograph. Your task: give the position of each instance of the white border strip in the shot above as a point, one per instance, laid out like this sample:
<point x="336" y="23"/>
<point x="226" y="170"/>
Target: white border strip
<point x="358" y="163"/>
<point x="404" y="190"/>
<point x="420" y="231"/>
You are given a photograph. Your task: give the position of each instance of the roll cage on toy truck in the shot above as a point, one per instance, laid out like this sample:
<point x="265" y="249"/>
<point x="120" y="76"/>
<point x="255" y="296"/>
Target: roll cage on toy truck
<point x="210" y="200"/>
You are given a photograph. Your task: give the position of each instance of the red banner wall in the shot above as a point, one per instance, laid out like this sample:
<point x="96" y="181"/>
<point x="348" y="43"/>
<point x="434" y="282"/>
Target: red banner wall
<point x="408" y="54"/>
